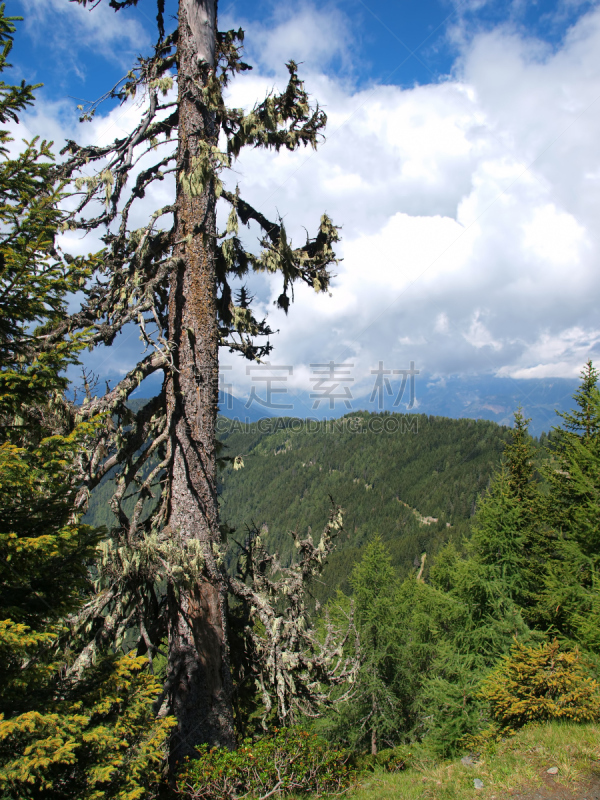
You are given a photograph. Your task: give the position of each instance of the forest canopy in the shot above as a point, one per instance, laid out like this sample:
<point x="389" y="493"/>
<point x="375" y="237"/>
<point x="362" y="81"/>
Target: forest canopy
<point x="154" y="609"/>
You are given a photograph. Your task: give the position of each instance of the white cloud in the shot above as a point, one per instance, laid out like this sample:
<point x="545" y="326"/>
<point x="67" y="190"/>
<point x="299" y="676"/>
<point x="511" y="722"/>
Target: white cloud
<point x="300" y="32"/>
<point x="75" y="29"/>
<point x="557" y="369"/>
<point x="555" y="354"/>
<point x="441" y="323"/>
<point x="552" y="236"/>
<point x="479" y="336"/>
<point x="469" y="208"/>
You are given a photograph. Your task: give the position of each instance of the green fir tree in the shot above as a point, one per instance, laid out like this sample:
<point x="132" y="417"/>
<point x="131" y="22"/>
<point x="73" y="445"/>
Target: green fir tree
<point x="493" y="585"/>
<point x="98" y="739"/>
<point x="569" y="600"/>
<point x="375" y="701"/>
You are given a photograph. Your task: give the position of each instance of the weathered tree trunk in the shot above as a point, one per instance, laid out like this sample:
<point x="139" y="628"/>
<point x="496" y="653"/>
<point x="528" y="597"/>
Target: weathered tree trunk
<point x="199" y="681"/>
<point x="373" y="729"/>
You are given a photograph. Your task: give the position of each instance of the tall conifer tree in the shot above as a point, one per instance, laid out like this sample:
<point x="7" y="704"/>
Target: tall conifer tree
<point x="43" y="545"/>
<point x="499" y="572"/>
<point x="175" y="278"/>
<point x="373" y="709"/>
<point x="488" y="593"/>
<point x="571" y="587"/>
<point x="56" y="740"/>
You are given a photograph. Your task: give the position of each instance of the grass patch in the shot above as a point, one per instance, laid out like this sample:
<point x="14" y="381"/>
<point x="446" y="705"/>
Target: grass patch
<point x="519" y="762"/>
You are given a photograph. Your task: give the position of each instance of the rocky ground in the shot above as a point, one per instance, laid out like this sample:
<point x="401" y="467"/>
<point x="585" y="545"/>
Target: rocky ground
<point x="553" y="790"/>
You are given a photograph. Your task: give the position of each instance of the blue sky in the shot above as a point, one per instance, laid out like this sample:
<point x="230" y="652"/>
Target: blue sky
<point x="403" y="43"/>
<point x="461" y="162"/>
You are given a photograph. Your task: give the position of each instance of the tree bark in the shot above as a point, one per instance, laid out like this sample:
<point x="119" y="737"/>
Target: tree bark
<point x="373" y="729"/>
<point x="198" y="681"/>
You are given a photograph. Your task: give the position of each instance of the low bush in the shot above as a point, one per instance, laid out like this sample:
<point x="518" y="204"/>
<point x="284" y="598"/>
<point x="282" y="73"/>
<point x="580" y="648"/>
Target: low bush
<point x="540" y="683"/>
<point x="289" y="760"/>
<point x="392" y="759"/>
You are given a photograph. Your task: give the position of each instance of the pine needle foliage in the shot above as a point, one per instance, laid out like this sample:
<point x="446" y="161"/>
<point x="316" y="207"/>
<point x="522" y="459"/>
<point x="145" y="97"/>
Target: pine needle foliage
<point x="97" y="740"/>
<point x="500" y="572"/>
<point x="541" y="683"/>
<point x="491" y="586"/>
<point x="106" y="744"/>
<point x="573" y="474"/>
<point x="471" y="659"/>
<point x="370" y="717"/>
<point x="568" y="602"/>
<point x="44" y="547"/>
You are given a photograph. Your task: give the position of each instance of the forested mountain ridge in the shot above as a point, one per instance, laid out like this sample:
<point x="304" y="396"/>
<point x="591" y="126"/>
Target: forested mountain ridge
<point x="416" y="486"/>
<point x="509" y="528"/>
<point x="138" y="659"/>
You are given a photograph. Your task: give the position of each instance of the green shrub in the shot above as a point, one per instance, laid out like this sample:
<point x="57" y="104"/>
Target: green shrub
<point x="290" y="760"/>
<point x="392" y="759"/>
<point x="538" y="684"/>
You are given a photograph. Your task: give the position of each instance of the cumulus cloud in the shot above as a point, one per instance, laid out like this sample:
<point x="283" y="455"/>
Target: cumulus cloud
<point x="469" y="212"/>
<point x="76" y="29"/>
<point x="468" y="207"/>
<point x="300" y="32"/>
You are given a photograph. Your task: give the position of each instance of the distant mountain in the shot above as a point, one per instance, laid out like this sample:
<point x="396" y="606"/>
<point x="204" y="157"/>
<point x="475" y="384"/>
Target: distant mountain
<point x="471" y="397"/>
<point x="232" y="408"/>
<point x="496" y="399"/>
<point x="413" y="479"/>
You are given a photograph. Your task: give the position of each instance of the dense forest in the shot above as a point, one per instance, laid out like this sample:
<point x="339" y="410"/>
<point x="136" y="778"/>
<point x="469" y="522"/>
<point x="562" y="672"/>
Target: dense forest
<point x="372" y="587"/>
<point x="495" y="636"/>
<point x="416" y="485"/>
<point x="506" y="523"/>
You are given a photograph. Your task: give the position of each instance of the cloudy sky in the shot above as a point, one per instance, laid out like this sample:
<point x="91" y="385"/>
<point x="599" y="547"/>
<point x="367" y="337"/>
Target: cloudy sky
<point x="462" y="162"/>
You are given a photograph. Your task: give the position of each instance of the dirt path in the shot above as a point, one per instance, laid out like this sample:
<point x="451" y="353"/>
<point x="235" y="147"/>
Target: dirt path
<point x="553" y="790"/>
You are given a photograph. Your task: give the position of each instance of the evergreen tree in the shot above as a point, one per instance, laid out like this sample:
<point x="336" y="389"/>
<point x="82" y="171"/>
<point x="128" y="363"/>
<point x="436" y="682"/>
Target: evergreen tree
<point x="539" y="683"/>
<point x="43" y="545"/>
<point x="101" y="739"/>
<point x="473" y="624"/>
<point x="568" y="602"/>
<point x="531" y="564"/>
<point x="499" y="575"/>
<point x="435" y="670"/>
<point x="582" y="422"/>
<point x="493" y="585"/>
<point x="573" y="475"/>
<point x="163" y="567"/>
<point x="506" y="542"/>
<point x="372" y="715"/>
<point x="425" y="648"/>
<point x="417" y="678"/>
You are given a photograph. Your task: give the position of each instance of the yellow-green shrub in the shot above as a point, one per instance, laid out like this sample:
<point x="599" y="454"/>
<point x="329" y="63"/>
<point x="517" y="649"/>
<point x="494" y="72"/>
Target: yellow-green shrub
<point x="106" y="745"/>
<point x="540" y="683"/>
